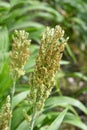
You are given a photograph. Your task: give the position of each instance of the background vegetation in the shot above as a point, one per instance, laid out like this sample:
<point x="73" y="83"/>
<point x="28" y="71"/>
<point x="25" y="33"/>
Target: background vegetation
<point x="71" y="81"/>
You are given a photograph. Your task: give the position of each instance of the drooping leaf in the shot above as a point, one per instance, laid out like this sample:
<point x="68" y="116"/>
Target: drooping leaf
<point x="64" y="101"/>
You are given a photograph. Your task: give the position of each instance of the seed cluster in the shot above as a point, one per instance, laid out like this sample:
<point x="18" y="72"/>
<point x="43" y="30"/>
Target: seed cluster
<point x="47" y="65"/>
<point x="5" y="115"/>
<point x="19" y="53"/>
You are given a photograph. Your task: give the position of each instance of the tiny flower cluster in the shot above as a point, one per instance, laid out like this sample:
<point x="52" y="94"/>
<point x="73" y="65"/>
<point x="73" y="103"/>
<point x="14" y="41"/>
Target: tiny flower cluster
<point x="19" y="53"/>
<point x="5" y="115"/>
<point x="47" y="64"/>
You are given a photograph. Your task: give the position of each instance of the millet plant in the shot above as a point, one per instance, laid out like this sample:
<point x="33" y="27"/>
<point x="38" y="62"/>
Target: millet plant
<point x="42" y="80"/>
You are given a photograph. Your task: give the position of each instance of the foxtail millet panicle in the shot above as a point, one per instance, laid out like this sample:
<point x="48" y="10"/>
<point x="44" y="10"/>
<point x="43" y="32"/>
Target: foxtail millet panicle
<point x="19" y="53"/>
<point x="47" y="65"/>
<point x="5" y="115"/>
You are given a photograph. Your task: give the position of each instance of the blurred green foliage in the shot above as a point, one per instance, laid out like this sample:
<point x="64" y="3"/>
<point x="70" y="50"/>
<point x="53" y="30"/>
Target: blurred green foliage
<point x="34" y="16"/>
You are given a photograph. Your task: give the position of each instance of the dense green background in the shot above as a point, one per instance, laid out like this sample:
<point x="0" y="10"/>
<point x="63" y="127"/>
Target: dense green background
<point x="71" y="81"/>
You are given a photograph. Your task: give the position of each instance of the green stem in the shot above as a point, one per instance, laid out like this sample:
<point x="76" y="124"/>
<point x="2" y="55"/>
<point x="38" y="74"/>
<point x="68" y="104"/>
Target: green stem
<point x="32" y="120"/>
<point x="12" y="95"/>
<point x="13" y="91"/>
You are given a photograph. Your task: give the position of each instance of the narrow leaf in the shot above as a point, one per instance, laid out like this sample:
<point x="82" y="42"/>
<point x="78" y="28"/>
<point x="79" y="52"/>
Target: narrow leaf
<point x="57" y="122"/>
<point x="64" y="101"/>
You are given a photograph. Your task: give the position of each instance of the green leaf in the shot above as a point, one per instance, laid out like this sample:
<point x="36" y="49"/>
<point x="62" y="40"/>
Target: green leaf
<point x="57" y="122"/>
<point x="77" y="75"/>
<point x="4" y="39"/>
<point x="25" y="24"/>
<point x="19" y="97"/>
<point x="71" y="53"/>
<point x="64" y="101"/>
<point x="17" y="117"/>
<point x="4" y="5"/>
<point x="23" y="126"/>
<point x="69" y="118"/>
<point x="5" y="80"/>
<point x="74" y="120"/>
<point x="4" y="46"/>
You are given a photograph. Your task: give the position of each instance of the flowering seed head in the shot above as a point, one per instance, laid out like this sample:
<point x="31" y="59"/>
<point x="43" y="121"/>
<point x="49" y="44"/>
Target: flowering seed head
<point x="5" y="115"/>
<point x="19" y="53"/>
<point x="27" y="117"/>
<point x="47" y="64"/>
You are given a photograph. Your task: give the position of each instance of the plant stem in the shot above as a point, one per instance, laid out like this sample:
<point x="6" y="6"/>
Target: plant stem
<point x="12" y="95"/>
<point x="13" y="91"/>
<point x="32" y="120"/>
